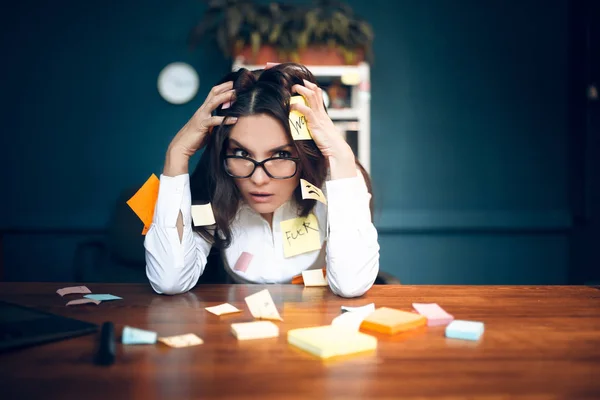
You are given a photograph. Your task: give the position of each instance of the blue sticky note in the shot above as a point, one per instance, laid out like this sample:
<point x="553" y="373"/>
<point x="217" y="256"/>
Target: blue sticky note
<point x="467" y="330"/>
<point x="138" y="336"/>
<point x="102" y="297"/>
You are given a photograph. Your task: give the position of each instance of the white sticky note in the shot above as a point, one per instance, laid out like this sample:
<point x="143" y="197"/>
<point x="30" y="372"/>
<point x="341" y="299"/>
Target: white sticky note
<point x="314" y="277"/>
<point x="261" y="306"/>
<point x="352" y="317"/>
<point x="310" y="191"/>
<point x="186" y="340"/>
<point x="202" y="215"/>
<point x="254" y="330"/>
<point x="222" y="309"/>
<point x="138" y="336"/>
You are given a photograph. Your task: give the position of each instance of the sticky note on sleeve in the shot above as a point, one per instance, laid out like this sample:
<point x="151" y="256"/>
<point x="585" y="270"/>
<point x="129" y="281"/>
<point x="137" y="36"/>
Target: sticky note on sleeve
<point x="435" y="314"/>
<point x="298" y="123"/>
<point x="143" y="201"/>
<point x="202" y="215"/>
<point x="310" y="191"/>
<point x="261" y="306"/>
<point x="466" y="330"/>
<point x="300" y="235"/>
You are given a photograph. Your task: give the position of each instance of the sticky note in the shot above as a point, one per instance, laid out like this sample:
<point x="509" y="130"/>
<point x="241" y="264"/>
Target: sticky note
<point x="73" y="290"/>
<point x="144" y="200"/>
<point x="352" y="317"/>
<point x="300" y="235"/>
<point x="83" y="301"/>
<point x="186" y="340"/>
<point x="314" y="277"/>
<point x="145" y="229"/>
<point x="310" y="191"/>
<point x="330" y="341"/>
<point x="298" y="123"/>
<point x="102" y="297"/>
<point x="202" y="215"/>
<point x="434" y="313"/>
<point x="223" y="309"/>
<point x="254" y="330"/>
<point x="243" y="262"/>
<point x="467" y="330"/>
<point x="262" y="307"/>
<point x="391" y="321"/>
<point x="138" y="336"/>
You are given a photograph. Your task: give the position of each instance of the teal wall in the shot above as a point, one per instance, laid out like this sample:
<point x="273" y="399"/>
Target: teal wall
<point x="469" y="130"/>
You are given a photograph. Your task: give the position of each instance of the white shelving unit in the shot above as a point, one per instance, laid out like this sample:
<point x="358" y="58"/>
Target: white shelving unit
<point x="357" y="117"/>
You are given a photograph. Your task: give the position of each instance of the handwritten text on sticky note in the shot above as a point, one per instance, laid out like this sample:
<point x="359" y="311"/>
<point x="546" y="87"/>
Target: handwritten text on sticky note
<point x="310" y="191"/>
<point x="298" y="123"/>
<point x="300" y="235"/>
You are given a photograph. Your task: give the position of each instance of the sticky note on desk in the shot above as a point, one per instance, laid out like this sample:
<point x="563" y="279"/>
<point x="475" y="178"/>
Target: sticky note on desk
<point x="73" y="290"/>
<point x="391" y="321"/>
<point x="138" y="336"/>
<point x="467" y="330"/>
<point x="300" y="235"/>
<point x="223" y="309"/>
<point x="143" y="201"/>
<point x="298" y="123"/>
<point x="261" y="306"/>
<point x="254" y="330"/>
<point x="310" y="191"/>
<point x="202" y="215"/>
<point x="102" y="297"/>
<point x="314" y="277"/>
<point x="330" y="341"/>
<point x="178" y="341"/>
<point x="435" y="314"/>
<point x="83" y="301"/>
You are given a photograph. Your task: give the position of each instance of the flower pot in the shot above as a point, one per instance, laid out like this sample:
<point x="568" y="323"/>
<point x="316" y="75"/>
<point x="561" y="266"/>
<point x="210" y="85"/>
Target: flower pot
<point x="265" y="54"/>
<point x="324" y="55"/>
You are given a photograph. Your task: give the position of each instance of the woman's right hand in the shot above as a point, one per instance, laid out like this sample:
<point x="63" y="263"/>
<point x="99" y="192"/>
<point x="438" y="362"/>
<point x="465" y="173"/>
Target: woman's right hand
<point x="192" y="136"/>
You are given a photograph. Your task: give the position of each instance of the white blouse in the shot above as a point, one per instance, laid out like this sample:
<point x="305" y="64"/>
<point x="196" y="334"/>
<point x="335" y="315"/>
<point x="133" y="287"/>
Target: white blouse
<point x="349" y="247"/>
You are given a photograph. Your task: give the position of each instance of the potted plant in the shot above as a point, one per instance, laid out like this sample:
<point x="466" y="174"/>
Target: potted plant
<point x="328" y="32"/>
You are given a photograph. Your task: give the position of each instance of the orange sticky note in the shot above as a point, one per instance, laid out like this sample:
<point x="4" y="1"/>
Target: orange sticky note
<point x="391" y="321"/>
<point x="144" y="200"/>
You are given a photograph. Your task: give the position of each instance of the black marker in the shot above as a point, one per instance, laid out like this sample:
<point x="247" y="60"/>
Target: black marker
<point x="106" y="347"/>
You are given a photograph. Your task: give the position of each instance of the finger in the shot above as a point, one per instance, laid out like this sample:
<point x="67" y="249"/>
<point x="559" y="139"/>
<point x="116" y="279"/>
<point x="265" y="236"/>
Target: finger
<point x="213" y="102"/>
<point x="216" y="121"/>
<point x="304" y="110"/>
<point x="309" y="84"/>
<point x="309" y="94"/>
<point x="223" y="87"/>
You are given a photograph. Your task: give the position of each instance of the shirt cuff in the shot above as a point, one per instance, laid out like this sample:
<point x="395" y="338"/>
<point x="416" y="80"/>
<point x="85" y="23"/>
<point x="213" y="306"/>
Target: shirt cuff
<point x="347" y="203"/>
<point x="173" y="196"/>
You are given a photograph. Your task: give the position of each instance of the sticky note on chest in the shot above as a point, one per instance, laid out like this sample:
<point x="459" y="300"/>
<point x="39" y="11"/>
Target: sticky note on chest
<point x="144" y="200"/>
<point x="298" y="123"/>
<point x="261" y="306"/>
<point x="300" y="235"/>
<point x="435" y="314"/>
<point x="391" y="321"/>
<point x="310" y="191"/>
<point x="466" y="330"/>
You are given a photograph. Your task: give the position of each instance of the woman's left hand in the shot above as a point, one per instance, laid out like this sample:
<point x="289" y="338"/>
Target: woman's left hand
<point x="321" y="127"/>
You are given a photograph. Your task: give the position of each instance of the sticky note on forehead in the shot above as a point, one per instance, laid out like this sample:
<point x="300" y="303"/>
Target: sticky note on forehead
<point x="300" y="235"/>
<point x="310" y="191"/>
<point x="298" y="123"/>
<point x="144" y="200"/>
<point x="202" y="215"/>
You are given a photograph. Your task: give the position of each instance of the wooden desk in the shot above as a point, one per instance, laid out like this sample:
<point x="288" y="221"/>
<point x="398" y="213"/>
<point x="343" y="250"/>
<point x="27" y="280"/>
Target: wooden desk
<point x="539" y="342"/>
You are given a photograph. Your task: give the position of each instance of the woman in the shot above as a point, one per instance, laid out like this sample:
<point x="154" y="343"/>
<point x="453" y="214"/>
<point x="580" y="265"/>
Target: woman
<point x="250" y="172"/>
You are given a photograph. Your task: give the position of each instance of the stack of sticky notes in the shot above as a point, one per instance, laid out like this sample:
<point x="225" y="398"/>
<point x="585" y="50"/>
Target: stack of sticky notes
<point x="254" y="330"/>
<point x="467" y="330"/>
<point x="391" y="321"/>
<point x="330" y="341"/>
<point x="435" y="314"/>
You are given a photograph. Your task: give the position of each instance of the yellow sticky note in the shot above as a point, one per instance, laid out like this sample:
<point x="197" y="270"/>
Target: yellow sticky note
<point x="310" y="191"/>
<point x="331" y="340"/>
<point x="261" y="306"/>
<point x="300" y="235"/>
<point x="314" y="277"/>
<point x="222" y="309"/>
<point x="254" y="330"/>
<point x="202" y="215"/>
<point x="186" y="340"/>
<point x="144" y="200"/>
<point x="298" y="123"/>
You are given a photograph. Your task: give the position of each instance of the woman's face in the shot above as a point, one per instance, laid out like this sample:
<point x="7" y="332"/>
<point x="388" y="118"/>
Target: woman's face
<point x="260" y="137"/>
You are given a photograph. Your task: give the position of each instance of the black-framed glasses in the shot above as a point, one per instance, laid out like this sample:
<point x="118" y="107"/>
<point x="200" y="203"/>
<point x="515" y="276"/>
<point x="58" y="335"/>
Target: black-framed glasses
<point x="274" y="167"/>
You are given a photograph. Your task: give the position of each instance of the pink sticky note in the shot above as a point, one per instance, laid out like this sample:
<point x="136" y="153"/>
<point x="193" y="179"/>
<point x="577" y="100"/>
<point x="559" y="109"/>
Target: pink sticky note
<point x="243" y="262"/>
<point x="73" y="290"/>
<point x="83" y="301"/>
<point x="435" y="314"/>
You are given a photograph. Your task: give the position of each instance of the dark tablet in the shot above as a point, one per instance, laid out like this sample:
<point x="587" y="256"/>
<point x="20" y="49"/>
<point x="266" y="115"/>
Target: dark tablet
<point x="23" y="326"/>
